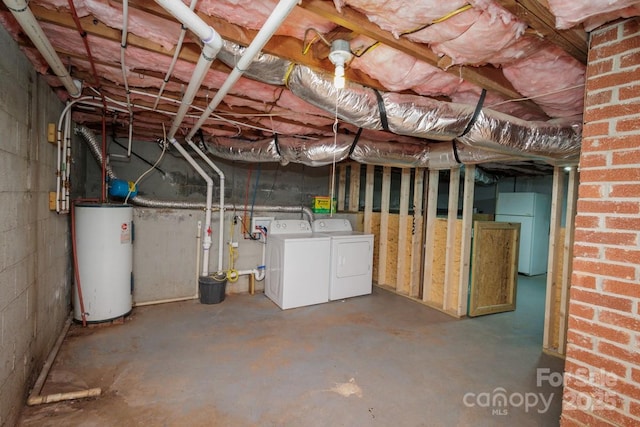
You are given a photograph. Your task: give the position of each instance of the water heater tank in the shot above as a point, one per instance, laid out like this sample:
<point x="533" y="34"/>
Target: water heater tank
<point x="104" y="246"/>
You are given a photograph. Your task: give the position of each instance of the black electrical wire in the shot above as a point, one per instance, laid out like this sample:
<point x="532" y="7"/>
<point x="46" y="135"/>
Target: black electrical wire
<point x="113" y="137"/>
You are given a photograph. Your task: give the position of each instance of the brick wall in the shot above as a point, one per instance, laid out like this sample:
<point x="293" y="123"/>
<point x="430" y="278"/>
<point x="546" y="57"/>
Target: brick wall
<point x="602" y="380"/>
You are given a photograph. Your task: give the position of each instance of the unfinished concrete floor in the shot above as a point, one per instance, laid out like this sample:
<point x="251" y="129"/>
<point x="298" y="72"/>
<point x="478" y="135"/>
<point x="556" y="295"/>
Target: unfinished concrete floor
<point x="378" y="360"/>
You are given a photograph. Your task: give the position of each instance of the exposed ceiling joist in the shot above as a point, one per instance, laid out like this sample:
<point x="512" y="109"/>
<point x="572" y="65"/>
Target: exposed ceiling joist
<point x="538" y="17"/>
<point x="487" y="77"/>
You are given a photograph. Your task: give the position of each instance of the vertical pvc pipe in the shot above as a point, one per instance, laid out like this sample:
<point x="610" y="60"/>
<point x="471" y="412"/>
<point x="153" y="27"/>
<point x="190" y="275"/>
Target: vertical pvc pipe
<point x="221" y="175"/>
<point x="206" y="245"/>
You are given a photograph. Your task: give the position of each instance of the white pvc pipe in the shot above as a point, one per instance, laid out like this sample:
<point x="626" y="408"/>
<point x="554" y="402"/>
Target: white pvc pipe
<point x="279" y="14"/>
<point x="22" y="13"/>
<point x="191" y="20"/>
<point x="221" y="175"/>
<point x="199" y="72"/>
<point x="67" y="137"/>
<point x="174" y="60"/>
<point x="59" y="140"/>
<point x="212" y="45"/>
<point x="206" y="245"/>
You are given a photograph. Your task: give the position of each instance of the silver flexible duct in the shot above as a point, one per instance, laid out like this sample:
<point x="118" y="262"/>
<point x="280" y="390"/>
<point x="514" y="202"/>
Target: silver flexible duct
<point x="419" y="117"/>
<point x="94" y="147"/>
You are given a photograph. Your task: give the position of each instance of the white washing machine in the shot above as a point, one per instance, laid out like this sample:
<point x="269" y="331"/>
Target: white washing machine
<point x="297" y="265"/>
<point x="351" y="258"/>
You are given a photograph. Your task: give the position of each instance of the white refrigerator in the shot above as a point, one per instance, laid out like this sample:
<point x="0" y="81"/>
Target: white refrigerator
<point x="532" y="211"/>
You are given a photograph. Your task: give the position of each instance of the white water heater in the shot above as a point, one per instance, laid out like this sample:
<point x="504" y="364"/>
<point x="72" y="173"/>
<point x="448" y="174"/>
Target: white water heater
<point x="104" y="247"/>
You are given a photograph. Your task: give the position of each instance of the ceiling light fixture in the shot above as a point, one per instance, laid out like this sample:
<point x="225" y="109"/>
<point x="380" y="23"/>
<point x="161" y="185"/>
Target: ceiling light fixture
<point x="339" y="55"/>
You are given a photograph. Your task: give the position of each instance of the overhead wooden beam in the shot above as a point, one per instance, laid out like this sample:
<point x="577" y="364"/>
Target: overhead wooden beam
<point x="539" y="18"/>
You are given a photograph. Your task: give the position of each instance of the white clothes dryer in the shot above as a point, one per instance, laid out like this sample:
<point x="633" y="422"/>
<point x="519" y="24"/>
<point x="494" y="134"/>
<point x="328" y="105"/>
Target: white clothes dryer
<point x="351" y="258"/>
<point x="297" y="265"/>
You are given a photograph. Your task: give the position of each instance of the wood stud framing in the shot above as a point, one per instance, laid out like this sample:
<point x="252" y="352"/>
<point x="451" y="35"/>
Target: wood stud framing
<point x="410" y="263"/>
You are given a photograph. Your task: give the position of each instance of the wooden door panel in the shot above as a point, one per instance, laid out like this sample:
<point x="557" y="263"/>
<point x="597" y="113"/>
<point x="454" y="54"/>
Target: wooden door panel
<point x="494" y="271"/>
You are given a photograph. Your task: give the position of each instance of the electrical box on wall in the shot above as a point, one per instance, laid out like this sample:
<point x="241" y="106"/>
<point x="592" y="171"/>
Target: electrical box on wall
<point x="259" y="225"/>
<point x="52" y="200"/>
<point x="51" y="133"/>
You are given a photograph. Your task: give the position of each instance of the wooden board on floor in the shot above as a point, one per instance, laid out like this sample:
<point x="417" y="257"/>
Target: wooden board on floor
<point x="494" y="268"/>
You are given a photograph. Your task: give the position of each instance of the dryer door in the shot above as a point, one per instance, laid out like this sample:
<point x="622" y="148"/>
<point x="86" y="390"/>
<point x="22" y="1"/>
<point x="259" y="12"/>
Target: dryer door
<point x="353" y="258"/>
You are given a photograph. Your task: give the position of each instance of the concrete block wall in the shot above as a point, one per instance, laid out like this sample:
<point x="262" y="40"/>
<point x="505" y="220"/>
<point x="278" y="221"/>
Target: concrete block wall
<point x="35" y="269"/>
<point x="602" y="379"/>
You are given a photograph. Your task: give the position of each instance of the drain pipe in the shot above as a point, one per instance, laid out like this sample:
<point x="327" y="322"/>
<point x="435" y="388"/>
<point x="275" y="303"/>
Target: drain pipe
<point x="212" y="45"/>
<point x="21" y="12"/>
<point x="277" y="17"/>
<point x="206" y="244"/>
<point x="221" y="222"/>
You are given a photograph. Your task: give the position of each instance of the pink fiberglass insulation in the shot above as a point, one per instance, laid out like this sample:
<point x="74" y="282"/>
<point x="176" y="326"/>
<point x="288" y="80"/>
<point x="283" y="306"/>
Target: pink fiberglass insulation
<point x="398" y="16"/>
<point x="142" y="24"/>
<point x="570" y="13"/>
<point x="394" y="69"/>
<point x="561" y="96"/>
<point x="253" y="14"/>
<point x="490" y="33"/>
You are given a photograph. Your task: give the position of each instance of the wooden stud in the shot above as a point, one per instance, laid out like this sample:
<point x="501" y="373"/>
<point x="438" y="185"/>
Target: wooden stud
<point x="402" y="264"/>
<point x="342" y="183"/>
<point x="567" y="265"/>
<point x="368" y="198"/>
<point x="449" y="299"/>
<point x="465" y="250"/>
<point x="354" y="187"/>
<point x="416" y="234"/>
<point x="552" y="282"/>
<point x="384" y="225"/>
<point x="429" y="236"/>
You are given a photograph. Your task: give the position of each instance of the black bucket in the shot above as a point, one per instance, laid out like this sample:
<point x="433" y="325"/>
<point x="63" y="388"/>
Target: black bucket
<point x="212" y="288"/>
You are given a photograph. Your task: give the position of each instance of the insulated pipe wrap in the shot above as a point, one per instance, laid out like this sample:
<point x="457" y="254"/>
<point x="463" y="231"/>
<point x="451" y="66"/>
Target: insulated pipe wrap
<point x="264" y="150"/>
<point x="265" y="68"/>
<point x="509" y="135"/>
<point x="357" y="105"/>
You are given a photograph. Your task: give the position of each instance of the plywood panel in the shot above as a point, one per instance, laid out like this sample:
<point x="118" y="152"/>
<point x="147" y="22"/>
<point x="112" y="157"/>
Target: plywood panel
<point x="495" y="267"/>
<point x="439" y="249"/>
